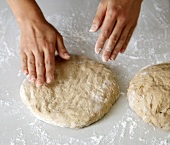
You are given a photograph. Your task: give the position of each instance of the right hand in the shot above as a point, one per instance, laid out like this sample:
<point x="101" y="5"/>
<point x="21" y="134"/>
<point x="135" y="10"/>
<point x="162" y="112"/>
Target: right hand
<point x="117" y="20"/>
<point x="38" y="43"/>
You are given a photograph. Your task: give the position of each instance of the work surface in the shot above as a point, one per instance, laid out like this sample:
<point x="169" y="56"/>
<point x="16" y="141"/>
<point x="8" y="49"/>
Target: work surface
<point x="149" y="45"/>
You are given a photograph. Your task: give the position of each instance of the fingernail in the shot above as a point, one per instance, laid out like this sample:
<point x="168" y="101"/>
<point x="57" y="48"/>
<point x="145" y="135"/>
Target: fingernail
<point x="98" y="50"/>
<point x="49" y="79"/>
<point x="38" y="84"/>
<point x="66" y="55"/>
<point x="112" y="58"/>
<point x="123" y="51"/>
<point x="32" y="78"/>
<point x="105" y="58"/>
<point x="93" y="28"/>
<point x="25" y="72"/>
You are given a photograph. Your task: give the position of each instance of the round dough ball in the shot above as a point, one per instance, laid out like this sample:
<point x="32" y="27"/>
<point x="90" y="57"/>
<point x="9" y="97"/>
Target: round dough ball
<point x="83" y="91"/>
<point x="149" y="95"/>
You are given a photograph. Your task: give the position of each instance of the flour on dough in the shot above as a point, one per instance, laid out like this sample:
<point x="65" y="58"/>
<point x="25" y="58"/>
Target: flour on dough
<point x="82" y="93"/>
<point x="149" y="95"/>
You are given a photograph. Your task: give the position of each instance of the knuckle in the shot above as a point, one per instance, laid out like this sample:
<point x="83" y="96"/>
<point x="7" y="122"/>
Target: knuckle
<point x="112" y="13"/>
<point x="99" y="43"/>
<point x="114" y="38"/>
<point x="106" y="33"/>
<point x="115" y="52"/>
<point x="108" y="49"/>
<point x="110" y="45"/>
<point x="31" y="62"/>
<point x="103" y="36"/>
<point x="48" y="62"/>
<point x="40" y="76"/>
<point x="39" y="65"/>
<point x="123" y="19"/>
<point x="117" y="49"/>
<point x="97" y="19"/>
<point x="32" y="72"/>
<point x="24" y="60"/>
<point x="122" y="39"/>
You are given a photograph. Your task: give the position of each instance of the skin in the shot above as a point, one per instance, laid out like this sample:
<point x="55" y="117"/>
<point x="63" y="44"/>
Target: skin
<point x="38" y="43"/>
<point x="40" y="40"/>
<point x="117" y="20"/>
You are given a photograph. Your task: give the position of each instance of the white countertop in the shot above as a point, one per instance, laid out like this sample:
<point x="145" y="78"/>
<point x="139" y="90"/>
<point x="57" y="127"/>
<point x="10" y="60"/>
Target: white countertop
<point x="121" y="126"/>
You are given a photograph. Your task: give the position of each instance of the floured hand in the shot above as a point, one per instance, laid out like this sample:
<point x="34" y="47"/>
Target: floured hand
<point x="117" y="19"/>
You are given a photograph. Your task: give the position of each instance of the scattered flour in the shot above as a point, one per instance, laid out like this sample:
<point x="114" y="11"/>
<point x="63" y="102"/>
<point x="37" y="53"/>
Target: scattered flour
<point x="18" y="127"/>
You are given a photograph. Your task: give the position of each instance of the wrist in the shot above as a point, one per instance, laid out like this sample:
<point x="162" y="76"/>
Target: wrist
<point x="30" y="18"/>
<point x="26" y="11"/>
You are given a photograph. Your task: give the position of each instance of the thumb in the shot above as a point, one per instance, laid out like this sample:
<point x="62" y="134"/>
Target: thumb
<point x="62" y="52"/>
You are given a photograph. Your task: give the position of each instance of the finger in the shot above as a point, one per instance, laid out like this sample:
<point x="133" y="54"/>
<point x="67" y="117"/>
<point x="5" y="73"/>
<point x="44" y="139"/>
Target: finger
<point x="123" y="49"/>
<point x="62" y="52"/>
<point x="24" y="63"/>
<point x="120" y="43"/>
<point x="113" y="39"/>
<point x="31" y="67"/>
<point x="40" y="70"/>
<point x="49" y="55"/>
<point x="99" y="17"/>
<point x="107" y="28"/>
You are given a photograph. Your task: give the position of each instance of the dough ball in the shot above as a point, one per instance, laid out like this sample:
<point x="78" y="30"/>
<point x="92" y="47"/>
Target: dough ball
<point x="149" y="95"/>
<point x="83" y="92"/>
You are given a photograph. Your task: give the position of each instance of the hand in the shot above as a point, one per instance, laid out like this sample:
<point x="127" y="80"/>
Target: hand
<point x="117" y="19"/>
<point x="38" y="43"/>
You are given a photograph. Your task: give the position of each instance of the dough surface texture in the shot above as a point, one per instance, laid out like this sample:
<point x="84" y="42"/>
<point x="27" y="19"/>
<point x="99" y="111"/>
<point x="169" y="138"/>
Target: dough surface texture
<point x="149" y="95"/>
<point x="82" y="93"/>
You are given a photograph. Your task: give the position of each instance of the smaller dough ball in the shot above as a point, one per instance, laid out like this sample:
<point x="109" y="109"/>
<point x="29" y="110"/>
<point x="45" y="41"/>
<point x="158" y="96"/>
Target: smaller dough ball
<point x="149" y="95"/>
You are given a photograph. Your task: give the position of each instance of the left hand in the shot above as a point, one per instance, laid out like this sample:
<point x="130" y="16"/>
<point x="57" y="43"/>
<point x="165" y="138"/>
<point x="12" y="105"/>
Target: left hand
<point x="117" y="19"/>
